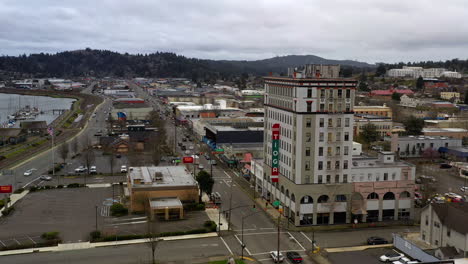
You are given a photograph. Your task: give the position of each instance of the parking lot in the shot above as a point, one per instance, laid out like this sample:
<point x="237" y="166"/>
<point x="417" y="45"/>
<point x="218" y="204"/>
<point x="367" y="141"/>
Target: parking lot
<point x="72" y="212"/>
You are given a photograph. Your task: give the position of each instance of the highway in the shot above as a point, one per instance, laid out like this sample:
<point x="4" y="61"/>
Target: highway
<point x="42" y="162"/>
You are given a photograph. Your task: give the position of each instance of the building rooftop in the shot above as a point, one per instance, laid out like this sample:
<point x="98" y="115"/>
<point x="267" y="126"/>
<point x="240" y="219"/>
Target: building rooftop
<point x="430" y="129"/>
<point x="453" y="215"/>
<point x="161" y="176"/>
<point x="161" y="203"/>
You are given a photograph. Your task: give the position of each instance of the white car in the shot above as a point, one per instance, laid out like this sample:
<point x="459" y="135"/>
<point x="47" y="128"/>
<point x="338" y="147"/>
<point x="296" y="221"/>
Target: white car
<point x="93" y="170"/>
<point x="123" y="169"/>
<point x="393" y="256"/>
<point x="28" y="172"/>
<point x="191" y="147"/>
<point x="80" y="169"/>
<point x="45" y="178"/>
<point x="276" y="258"/>
<point x="200" y="167"/>
<point x="464" y="189"/>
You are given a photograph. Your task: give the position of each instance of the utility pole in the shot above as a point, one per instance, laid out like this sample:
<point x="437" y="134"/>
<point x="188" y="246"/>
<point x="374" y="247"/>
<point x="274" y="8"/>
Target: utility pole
<point x="96" y="217"/>
<point x="279" y="222"/>
<point x="175" y="136"/>
<point x="230" y="205"/>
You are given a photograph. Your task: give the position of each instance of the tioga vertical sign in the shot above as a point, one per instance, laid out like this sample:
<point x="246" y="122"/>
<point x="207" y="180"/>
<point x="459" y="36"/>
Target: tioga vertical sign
<point x="275" y="152"/>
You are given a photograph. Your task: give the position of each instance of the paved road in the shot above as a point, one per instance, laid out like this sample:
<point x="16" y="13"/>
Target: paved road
<point x="181" y="251"/>
<point x="43" y="162"/>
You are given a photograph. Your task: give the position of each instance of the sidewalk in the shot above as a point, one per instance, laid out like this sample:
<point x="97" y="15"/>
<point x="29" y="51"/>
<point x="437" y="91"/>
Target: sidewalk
<point x="88" y="245"/>
<point x="15" y="197"/>
<point x="358" y="248"/>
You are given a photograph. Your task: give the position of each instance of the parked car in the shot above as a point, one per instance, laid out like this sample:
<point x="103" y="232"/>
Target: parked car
<point x="216" y="198"/>
<point x="374" y="240"/>
<point x="423" y="179"/>
<point x="118" y="155"/>
<point x="294" y="257"/>
<point x="28" y="172"/>
<point x="207" y="157"/>
<point x="276" y="257"/>
<point x="213" y="162"/>
<point x="123" y="169"/>
<point x="93" y="170"/>
<point x="45" y="178"/>
<point x="393" y="256"/>
<point x="405" y="260"/>
<point x="191" y="147"/>
<point x="445" y="166"/>
<point x="453" y="197"/>
<point x="184" y="140"/>
<point x="464" y="189"/>
<point x="200" y="167"/>
<point x="80" y="169"/>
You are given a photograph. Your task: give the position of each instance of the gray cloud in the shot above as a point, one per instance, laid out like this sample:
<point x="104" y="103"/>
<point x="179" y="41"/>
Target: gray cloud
<point x="366" y="30"/>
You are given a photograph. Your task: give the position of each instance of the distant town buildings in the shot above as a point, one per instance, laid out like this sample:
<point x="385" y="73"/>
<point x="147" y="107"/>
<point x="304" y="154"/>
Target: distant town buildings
<point x="377" y="110"/>
<point x="416" y="72"/>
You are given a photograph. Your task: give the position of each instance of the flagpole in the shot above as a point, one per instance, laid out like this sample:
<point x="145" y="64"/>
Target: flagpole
<point x="53" y="154"/>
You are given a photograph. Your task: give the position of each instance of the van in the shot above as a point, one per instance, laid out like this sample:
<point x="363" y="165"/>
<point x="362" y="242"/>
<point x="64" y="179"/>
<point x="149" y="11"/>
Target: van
<point x="216" y="198"/>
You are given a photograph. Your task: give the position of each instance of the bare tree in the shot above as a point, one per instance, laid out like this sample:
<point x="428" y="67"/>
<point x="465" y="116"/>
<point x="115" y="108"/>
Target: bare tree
<point x="63" y="151"/>
<point x="74" y="146"/>
<point x="152" y="238"/>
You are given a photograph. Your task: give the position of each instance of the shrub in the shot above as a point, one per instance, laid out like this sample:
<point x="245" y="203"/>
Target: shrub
<point x="60" y="186"/>
<point x="50" y="235"/>
<point x="118" y="209"/>
<point x="8" y="210"/>
<point x="33" y="189"/>
<point x="96" y="234"/>
<point x="19" y="190"/>
<point x="210" y="226"/>
<point x="194" y="206"/>
<point x="73" y="185"/>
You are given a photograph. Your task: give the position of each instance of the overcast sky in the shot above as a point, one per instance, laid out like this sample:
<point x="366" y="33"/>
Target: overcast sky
<point x="364" y="30"/>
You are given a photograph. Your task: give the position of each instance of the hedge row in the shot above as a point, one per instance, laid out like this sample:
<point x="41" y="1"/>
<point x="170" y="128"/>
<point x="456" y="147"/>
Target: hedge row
<point x="60" y="186"/>
<point x="94" y="234"/>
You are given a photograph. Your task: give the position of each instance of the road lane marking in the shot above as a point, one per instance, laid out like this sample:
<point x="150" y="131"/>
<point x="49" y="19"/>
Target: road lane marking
<point x="32" y="240"/>
<point x="230" y="251"/>
<point x="245" y="229"/>
<point x="310" y="240"/>
<point x="265" y="228"/>
<point x="249" y="234"/>
<point x="246" y="249"/>
<point x="227" y="174"/>
<point x="129" y="223"/>
<point x="17" y="241"/>
<point x="290" y="235"/>
<point x="30" y="182"/>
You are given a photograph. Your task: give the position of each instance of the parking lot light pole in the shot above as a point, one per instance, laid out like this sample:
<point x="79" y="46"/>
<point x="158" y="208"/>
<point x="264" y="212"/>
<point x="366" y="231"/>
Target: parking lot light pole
<point x="96" y="217"/>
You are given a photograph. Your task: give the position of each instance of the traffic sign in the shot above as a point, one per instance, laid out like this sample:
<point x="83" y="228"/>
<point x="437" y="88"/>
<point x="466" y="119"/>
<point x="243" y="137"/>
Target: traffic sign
<point x="188" y="159"/>
<point x="6" y="189"/>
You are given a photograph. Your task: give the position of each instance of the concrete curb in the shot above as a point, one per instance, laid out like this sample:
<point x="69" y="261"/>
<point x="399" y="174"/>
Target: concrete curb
<point x="88" y="245"/>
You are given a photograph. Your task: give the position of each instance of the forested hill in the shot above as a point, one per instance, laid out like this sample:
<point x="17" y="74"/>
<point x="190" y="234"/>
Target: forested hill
<point x="162" y="64"/>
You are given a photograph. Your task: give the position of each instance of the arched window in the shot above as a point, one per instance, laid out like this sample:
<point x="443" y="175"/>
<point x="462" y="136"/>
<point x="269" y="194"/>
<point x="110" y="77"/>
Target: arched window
<point x="389" y="196"/>
<point x="323" y="199"/>
<point x="293" y="198"/>
<point x="340" y="198"/>
<point x="287" y="193"/>
<point x="373" y="196"/>
<point x="282" y="189"/>
<point x="404" y="195"/>
<point x="307" y="200"/>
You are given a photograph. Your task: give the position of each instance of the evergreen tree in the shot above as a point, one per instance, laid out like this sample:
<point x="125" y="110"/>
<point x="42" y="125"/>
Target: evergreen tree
<point x="420" y="83"/>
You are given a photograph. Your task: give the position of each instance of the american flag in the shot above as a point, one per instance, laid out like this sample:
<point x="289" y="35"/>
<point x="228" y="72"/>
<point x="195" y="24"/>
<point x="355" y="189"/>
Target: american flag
<point x="50" y="130"/>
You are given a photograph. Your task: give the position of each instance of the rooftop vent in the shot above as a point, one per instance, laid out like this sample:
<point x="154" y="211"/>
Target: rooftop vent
<point x="158" y="177"/>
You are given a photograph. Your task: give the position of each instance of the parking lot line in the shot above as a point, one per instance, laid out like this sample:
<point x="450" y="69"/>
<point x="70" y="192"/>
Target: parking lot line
<point x="32" y="240"/>
<point x="17" y="241"/>
<point x="3" y="243"/>
<point x="290" y="235"/>
<point x="129" y="223"/>
<point x="264" y="233"/>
